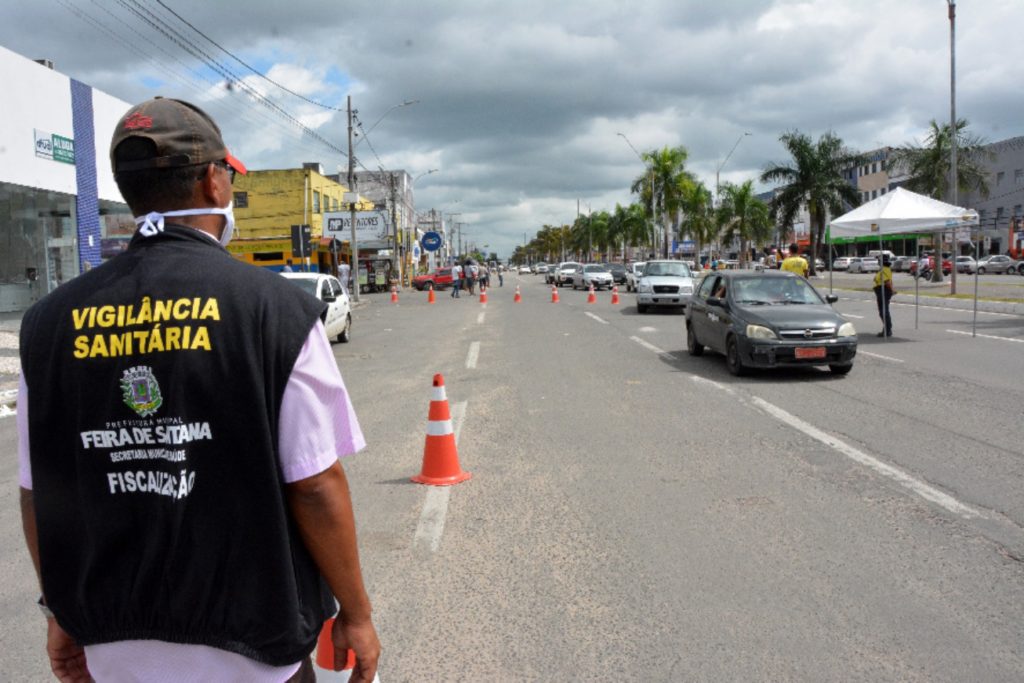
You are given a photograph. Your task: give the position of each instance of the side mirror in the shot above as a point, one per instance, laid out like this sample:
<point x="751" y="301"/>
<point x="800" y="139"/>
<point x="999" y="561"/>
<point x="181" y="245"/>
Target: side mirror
<point x="831" y="298"/>
<point x="716" y="301"/>
<point x="329" y="298"/>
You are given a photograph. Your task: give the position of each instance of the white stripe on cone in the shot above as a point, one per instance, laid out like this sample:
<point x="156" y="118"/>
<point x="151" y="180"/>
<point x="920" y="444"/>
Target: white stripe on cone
<point x="439" y="428"/>
<point x="439" y="394"/>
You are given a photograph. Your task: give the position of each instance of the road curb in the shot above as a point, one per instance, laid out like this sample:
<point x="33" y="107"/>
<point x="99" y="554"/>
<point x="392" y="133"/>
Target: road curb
<point x="906" y="296"/>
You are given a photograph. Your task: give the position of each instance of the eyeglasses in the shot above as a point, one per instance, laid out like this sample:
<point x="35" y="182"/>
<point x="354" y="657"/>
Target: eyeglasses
<point x="222" y="164"/>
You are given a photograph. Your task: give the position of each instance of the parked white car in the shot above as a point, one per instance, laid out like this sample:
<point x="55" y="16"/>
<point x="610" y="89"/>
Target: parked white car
<point x="864" y="264"/>
<point x="326" y="288"/>
<point x="841" y="263"/>
<point x="664" y="283"/>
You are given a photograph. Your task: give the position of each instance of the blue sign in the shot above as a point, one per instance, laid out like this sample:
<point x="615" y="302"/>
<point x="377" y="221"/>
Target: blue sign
<point x="431" y="241"/>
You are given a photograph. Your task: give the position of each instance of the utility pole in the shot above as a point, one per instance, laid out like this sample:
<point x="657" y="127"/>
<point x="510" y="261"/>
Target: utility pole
<point x="954" y="176"/>
<point x="354" y="246"/>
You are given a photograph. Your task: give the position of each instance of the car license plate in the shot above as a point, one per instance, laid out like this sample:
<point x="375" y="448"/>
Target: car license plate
<point x="810" y="352"/>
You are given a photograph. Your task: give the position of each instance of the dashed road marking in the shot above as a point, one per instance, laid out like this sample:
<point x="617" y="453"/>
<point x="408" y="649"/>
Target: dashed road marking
<point x="926" y="491"/>
<point x="435" y="506"/>
<point x="597" y="318"/>
<point x="988" y="336"/>
<point x="473" y="356"/>
<point x="647" y="345"/>
<point x="879" y="356"/>
<point x="913" y="484"/>
<point x="648" y="329"/>
<point x="480" y="318"/>
<point x="851" y="315"/>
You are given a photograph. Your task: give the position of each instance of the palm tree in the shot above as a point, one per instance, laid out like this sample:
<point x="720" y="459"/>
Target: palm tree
<point x="744" y="217"/>
<point x="814" y="179"/>
<point x="928" y="164"/>
<point x="662" y="183"/>
<point x="698" y="215"/>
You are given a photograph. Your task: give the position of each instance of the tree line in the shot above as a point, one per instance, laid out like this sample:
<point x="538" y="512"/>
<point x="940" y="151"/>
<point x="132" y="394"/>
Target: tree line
<point x="672" y="202"/>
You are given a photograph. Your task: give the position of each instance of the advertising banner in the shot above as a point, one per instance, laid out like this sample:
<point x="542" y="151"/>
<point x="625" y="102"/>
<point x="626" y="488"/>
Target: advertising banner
<point x="371" y="226"/>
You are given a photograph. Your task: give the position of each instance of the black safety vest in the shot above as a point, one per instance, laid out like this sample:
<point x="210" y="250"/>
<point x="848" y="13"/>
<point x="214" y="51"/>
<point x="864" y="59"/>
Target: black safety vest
<point x="155" y="384"/>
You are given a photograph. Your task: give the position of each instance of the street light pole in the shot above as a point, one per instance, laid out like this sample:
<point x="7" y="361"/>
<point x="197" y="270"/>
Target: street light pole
<point x="718" y="170"/>
<point x="650" y="174"/>
<point x="954" y="176"/>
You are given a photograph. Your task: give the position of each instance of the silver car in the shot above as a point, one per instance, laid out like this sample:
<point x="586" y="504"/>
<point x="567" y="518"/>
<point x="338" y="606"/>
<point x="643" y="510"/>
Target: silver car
<point x="999" y="264"/>
<point x="633" y="273"/>
<point x="592" y="274"/>
<point x="664" y="283"/>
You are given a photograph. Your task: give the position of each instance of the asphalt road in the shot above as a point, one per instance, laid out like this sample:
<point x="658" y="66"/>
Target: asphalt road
<point x="638" y="514"/>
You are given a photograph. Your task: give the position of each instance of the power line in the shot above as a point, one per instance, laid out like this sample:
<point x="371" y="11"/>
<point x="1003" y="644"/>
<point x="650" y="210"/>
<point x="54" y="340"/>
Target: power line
<point x="247" y="66"/>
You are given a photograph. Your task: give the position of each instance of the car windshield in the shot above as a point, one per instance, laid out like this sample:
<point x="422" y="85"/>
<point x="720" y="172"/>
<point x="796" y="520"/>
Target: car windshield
<point x="595" y="269"/>
<point x="671" y="269"/>
<point x="308" y="285"/>
<point x="774" y="291"/>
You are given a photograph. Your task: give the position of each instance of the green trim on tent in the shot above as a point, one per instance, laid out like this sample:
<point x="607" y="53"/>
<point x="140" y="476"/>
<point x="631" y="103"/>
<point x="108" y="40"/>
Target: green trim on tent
<point x="873" y="239"/>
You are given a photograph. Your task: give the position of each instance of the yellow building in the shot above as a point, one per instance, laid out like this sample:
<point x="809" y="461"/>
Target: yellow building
<point x="268" y="203"/>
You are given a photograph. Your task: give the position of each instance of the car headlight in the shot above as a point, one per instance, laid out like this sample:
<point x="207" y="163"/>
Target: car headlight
<point x="644" y="287"/>
<point x="759" y="332"/>
<point x="847" y="330"/>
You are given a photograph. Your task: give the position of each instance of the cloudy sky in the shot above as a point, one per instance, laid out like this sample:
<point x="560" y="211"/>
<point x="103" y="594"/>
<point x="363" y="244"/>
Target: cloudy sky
<point x="519" y="104"/>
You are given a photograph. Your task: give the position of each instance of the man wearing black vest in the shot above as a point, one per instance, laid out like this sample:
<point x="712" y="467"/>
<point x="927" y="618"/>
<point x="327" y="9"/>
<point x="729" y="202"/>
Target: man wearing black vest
<point x="180" y="423"/>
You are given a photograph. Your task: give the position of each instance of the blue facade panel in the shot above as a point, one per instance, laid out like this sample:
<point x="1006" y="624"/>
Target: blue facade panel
<point x="87" y="203"/>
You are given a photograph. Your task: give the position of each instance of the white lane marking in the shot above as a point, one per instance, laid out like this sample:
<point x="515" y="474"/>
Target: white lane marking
<point x="851" y="315"/>
<point x="712" y="383"/>
<point x="879" y="356"/>
<point x="917" y="486"/>
<point x="6" y="411"/>
<point x="988" y="336"/>
<point x="435" y="507"/>
<point x="648" y="329"/>
<point x="474" y="355"/>
<point x="647" y="345"/>
<point x="597" y="318"/>
<point x="480" y="318"/>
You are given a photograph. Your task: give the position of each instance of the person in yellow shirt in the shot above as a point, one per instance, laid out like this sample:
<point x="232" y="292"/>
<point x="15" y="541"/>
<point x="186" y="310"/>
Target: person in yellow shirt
<point x="795" y="263"/>
<point x="883" y="293"/>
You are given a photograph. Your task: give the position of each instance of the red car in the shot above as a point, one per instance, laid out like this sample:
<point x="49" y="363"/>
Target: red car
<point x="439" y="279"/>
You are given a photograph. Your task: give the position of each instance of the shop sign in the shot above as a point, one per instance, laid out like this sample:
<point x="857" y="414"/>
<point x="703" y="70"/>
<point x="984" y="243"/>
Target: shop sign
<point x="54" y="147"/>
<point x="370" y="226"/>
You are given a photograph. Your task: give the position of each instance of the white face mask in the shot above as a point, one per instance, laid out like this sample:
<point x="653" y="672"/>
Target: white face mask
<point x="153" y="222"/>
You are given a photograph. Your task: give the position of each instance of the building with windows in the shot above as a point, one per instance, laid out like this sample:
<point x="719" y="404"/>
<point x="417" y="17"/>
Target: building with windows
<point x="60" y="210"/>
<point x="1001" y="213"/>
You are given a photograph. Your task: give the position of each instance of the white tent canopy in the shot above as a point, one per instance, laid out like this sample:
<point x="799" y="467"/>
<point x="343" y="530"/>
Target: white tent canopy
<point x="902" y="211"/>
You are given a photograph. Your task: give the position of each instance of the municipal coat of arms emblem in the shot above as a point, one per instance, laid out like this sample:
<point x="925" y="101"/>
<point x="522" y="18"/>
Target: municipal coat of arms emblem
<point x="140" y="390"/>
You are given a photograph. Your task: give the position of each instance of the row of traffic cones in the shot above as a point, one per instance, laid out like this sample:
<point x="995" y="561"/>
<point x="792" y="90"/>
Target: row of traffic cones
<point x="591" y="296"/>
<point x="440" y="468"/>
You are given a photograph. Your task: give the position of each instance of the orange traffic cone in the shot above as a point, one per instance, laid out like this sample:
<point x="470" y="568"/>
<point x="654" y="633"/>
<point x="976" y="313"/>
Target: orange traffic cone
<point x="394" y="294"/>
<point x="518" y="297"/>
<point x="440" y="456"/>
<point x="615" y="295"/>
<point x="554" y="294"/>
<point x="591" y="298"/>
<point x="430" y="296"/>
<point x="325" y="650"/>
<point x="483" y="295"/>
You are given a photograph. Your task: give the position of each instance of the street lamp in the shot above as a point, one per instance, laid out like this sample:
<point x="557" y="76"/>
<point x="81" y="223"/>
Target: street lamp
<point x="641" y="158"/>
<point x="953" y="175"/>
<point x="390" y="109"/>
<point x="718" y="170"/>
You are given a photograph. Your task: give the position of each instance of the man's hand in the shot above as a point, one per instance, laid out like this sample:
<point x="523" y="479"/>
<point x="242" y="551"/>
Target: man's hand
<point x="67" y="658"/>
<point x="362" y="639"/>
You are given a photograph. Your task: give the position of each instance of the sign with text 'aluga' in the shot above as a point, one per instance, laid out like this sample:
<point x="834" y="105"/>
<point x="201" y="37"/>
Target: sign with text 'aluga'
<point x="371" y="226"/>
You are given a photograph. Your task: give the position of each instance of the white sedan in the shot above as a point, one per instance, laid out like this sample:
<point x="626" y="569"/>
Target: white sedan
<point x="326" y="288"/>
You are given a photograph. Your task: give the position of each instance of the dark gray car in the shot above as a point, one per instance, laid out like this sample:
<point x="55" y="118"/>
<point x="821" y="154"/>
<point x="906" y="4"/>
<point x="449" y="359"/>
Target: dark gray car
<point x="768" y="320"/>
